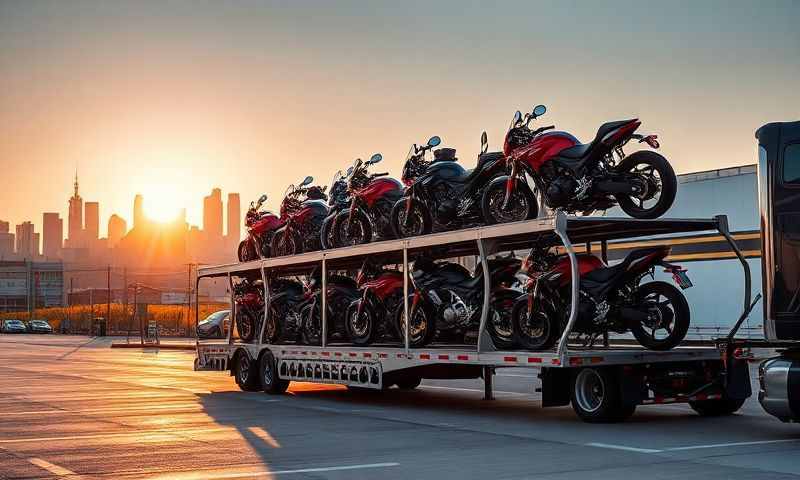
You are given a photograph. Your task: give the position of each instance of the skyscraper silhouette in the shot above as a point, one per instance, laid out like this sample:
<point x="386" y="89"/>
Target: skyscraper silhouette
<point x="75" y="218"/>
<point x="117" y="228"/>
<point x="91" y="223"/>
<point x="138" y="211"/>
<point x="234" y="220"/>
<point x="212" y="215"/>
<point x="52" y="235"/>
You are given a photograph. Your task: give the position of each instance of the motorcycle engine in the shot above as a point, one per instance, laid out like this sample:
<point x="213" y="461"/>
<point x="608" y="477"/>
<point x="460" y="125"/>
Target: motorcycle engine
<point x="457" y="312"/>
<point x="561" y="190"/>
<point x="447" y="205"/>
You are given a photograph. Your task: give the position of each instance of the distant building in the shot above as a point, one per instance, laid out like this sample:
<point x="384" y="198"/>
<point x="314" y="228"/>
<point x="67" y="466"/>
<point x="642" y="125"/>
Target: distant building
<point x="26" y="284"/>
<point x="6" y="241"/>
<point x="117" y="228"/>
<point x="234" y="219"/>
<point x="27" y="241"/>
<point x="52" y="235"/>
<point x="212" y="215"/>
<point x="91" y="223"/>
<point x="138" y="211"/>
<point x="75" y="218"/>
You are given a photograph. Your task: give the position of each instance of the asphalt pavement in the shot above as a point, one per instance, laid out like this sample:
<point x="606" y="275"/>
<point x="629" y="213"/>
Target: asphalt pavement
<point x="71" y="407"/>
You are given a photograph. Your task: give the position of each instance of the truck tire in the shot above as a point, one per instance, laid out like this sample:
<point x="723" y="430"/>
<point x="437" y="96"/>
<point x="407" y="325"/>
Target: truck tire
<point x="717" y="408"/>
<point x="408" y="382"/>
<point x="597" y="398"/>
<point x="246" y="372"/>
<point x="268" y="374"/>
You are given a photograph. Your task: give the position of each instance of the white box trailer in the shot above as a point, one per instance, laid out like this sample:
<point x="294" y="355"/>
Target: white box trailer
<point x="603" y="383"/>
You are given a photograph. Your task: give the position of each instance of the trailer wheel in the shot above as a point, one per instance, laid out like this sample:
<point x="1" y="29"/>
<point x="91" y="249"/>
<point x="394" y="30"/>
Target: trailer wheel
<point x="596" y="397"/>
<point x="717" y="408"/>
<point x="268" y="374"/>
<point x="246" y="373"/>
<point x="408" y="382"/>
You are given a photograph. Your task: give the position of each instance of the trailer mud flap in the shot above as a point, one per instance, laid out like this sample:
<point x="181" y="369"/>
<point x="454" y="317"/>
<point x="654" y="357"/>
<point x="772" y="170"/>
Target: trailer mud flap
<point x="556" y="384"/>
<point x="738" y="384"/>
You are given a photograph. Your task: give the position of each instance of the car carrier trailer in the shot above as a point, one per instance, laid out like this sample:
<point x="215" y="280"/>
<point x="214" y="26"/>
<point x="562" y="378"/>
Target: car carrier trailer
<point x="603" y="383"/>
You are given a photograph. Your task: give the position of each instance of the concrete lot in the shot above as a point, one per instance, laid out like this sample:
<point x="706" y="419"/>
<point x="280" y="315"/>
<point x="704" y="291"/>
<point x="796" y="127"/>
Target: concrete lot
<point x="71" y="407"/>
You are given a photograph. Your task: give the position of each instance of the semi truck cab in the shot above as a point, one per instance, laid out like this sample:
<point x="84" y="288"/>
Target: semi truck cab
<point x="779" y="206"/>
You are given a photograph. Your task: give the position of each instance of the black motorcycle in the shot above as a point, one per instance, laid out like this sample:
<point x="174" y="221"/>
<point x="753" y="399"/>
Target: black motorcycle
<point x="338" y="201"/>
<point x="442" y="195"/>
<point x="449" y="300"/>
<point x="610" y="299"/>
<point x="381" y="295"/>
<point x="249" y="298"/>
<point x="303" y="210"/>
<point x="341" y="292"/>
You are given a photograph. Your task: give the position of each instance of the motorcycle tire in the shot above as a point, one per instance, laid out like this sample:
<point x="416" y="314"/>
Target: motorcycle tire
<point x="311" y="328"/>
<point x="541" y="338"/>
<point x="246" y="252"/>
<point x="502" y="332"/>
<point x="422" y="225"/>
<point x="495" y="192"/>
<point x="361" y="329"/>
<point x="680" y="316"/>
<point x="273" y="330"/>
<point x="326" y="232"/>
<point x="423" y="335"/>
<point x="342" y="229"/>
<point x="245" y="327"/>
<point x="669" y="184"/>
<point x="284" y="244"/>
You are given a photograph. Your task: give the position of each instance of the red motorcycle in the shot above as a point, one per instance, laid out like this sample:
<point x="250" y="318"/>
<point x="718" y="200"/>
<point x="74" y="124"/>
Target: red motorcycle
<point x="381" y="296"/>
<point x="249" y="298"/>
<point x="578" y="177"/>
<point x="303" y="211"/>
<point x="261" y="226"/>
<point x="610" y="299"/>
<point x="371" y="200"/>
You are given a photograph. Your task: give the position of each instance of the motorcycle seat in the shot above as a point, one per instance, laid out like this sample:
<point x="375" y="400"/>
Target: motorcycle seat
<point x="582" y="149"/>
<point x="602" y="275"/>
<point x="483" y="160"/>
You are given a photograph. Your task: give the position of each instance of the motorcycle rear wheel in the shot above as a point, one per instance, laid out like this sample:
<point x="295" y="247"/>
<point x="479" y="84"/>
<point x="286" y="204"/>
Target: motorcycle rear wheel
<point x="522" y="205"/>
<point x="420" y="222"/>
<point x="658" y="173"/>
<point x="346" y="234"/>
<point x="669" y="307"/>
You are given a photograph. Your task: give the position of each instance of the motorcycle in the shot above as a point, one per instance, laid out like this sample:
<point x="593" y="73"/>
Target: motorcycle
<point x="249" y="298"/>
<point x="449" y="300"/>
<point x="381" y="296"/>
<point x="577" y="177"/>
<point x="283" y="321"/>
<point x="371" y="200"/>
<point x="261" y="226"/>
<point x="341" y="291"/>
<point x="302" y="212"/>
<point x="611" y="298"/>
<point x="441" y="194"/>
<point x="338" y="200"/>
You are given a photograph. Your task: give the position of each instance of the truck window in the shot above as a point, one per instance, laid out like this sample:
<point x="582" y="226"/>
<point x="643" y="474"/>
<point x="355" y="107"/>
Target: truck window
<point x="791" y="163"/>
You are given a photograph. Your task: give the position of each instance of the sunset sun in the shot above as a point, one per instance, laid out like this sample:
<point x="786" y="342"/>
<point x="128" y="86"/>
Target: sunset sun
<point x="162" y="203"/>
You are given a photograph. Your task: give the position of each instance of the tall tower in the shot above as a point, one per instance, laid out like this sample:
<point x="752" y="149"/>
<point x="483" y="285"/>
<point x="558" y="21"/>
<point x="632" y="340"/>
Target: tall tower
<point x="117" y="228"/>
<point x="138" y="211"/>
<point x="92" y="222"/>
<point x="52" y="235"/>
<point x="234" y="217"/>
<point x="212" y="214"/>
<point x="27" y="241"/>
<point x="75" y="218"/>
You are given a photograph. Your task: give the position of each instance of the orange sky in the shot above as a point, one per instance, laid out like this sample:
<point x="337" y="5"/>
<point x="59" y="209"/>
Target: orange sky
<point x="171" y="100"/>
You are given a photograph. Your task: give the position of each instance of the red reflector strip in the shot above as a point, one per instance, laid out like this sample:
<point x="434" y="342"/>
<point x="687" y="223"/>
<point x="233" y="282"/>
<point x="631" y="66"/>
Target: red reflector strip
<point x="444" y="357"/>
<point x="326" y="354"/>
<point x="383" y="355"/>
<point x="367" y="355"/>
<point x="424" y="356"/>
<point x="509" y="359"/>
<point x="463" y="358"/>
<point x="338" y="354"/>
<point x="534" y="360"/>
<point x="352" y="354"/>
<point x="555" y="361"/>
<point x="596" y="359"/>
<point x="400" y="355"/>
<point x="576" y="361"/>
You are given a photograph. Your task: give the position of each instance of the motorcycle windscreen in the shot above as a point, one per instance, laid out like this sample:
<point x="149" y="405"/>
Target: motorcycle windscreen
<point x="779" y="195"/>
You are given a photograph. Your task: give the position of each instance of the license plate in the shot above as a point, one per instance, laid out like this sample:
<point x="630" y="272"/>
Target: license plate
<point x="681" y="278"/>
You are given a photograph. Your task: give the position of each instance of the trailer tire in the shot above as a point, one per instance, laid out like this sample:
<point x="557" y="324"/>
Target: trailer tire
<point x="268" y="374"/>
<point x="597" y="397"/>
<point x="408" y="382"/>
<point x="246" y="372"/>
<point x="717" y="408"/>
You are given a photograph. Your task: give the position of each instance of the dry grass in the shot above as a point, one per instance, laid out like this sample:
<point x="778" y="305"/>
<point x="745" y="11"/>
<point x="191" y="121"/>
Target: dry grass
<point x="173" y="319"/>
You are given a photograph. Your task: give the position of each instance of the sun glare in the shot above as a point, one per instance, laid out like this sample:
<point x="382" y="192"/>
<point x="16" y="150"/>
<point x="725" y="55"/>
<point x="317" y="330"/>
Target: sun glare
<point x="161" y="204"/>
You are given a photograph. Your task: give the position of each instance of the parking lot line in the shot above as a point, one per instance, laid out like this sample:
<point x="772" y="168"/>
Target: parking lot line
<point x="53" y="468"/>
<point x="732" y="444"/>
<point x="622" y="447"/>
<point x="270" y="473"/>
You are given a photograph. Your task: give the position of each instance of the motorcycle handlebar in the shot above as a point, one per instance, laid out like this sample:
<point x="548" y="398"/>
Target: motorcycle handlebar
<point x="380" y="174"/>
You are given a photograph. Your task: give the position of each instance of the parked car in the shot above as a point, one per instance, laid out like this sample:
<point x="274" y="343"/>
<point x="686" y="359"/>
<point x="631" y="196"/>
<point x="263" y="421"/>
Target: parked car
<point x="39" y="326"/>
<point x="13" y="326"/>
<point x="215" y="325"/>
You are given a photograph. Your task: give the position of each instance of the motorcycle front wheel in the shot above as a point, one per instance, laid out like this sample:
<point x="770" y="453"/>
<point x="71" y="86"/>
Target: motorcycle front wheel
<point x="521" y="206"/>
<point x="659" y="182"/>
<point x="246" y="252"/>
<point x="534" y="331"/>
<point x="422" y="327"/>
<point x="500" y="325"/>
<point x="417" y="222"/>
<point x="355" y="231"/>
<point x="245" y="326"/>
<point x="667" y="316"/>
<point x="286" y="243"/>
<point x="311" y="329"/>
<point x="360" y="326"/>
<point x="326" y="232"/>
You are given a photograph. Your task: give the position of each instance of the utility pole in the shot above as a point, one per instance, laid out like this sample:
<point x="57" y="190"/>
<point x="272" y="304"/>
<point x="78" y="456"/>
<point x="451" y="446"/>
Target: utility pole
<point x="125" y="298"/>
<point x="189" y="301"/>
<point x="108" y="299"/>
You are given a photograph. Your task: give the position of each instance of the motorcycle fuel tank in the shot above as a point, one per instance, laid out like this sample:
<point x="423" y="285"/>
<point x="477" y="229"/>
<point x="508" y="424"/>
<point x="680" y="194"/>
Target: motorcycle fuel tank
<point x="313" y="208"/>
<point x="586" y="263"/>
<point x="379" y="188"/>
<point x="444" y="171"/>
<point x="267" y="223"/>
<point x="545" y="147"/>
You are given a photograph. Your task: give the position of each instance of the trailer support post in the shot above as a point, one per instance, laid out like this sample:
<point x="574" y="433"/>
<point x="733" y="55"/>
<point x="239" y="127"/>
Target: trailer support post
<point x="406" y="273"/>
<point x="324" y="306"/>
<point x="233" y="310"/>
<point x="488" y="379"/>
<point x="267" y="299"/>
<point x="483" y="343"/>
<point x="560" y="230"/>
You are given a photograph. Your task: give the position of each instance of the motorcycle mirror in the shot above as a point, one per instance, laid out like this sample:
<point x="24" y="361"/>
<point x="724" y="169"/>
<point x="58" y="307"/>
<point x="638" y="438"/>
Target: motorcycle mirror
<point x="262" y="198"/>
<point x="517" y="117"/>
<point x="375" y="158"/>
<point x="307" y="181"/>
<point x="539" y="110"/>
<point x="484" y="143"/>
<point x="350" y="170"/>
<point x="434" y="141"/>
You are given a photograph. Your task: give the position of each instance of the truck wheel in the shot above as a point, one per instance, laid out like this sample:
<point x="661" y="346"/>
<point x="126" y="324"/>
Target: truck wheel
<point x="246" y="373"/>
<point x="596" y="397"/>
<point x="268" y="374"/>
<point x="717" y="408"/>
<point x="408" y="383"/>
